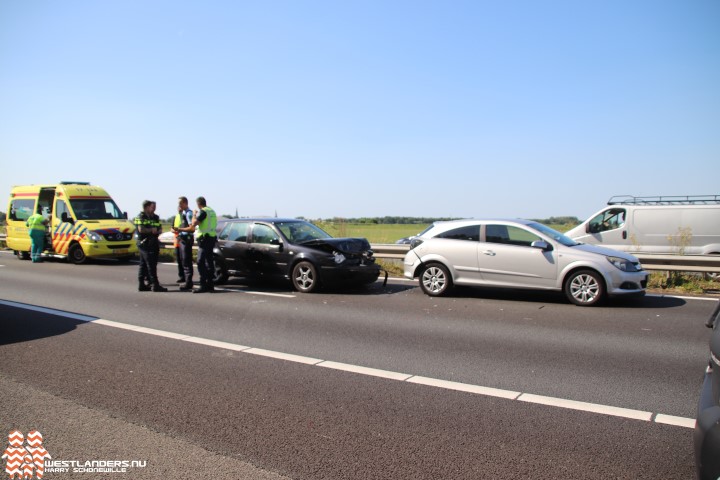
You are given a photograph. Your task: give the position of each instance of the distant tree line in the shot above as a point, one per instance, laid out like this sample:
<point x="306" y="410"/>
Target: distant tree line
<point x="558" y="220"/>
<point x="2" y="217"/>
<point x="389" y="220"/>
<point x="427" y="220"/>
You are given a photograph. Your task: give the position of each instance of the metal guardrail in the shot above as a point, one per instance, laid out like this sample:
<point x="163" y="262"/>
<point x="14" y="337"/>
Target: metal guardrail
<point x="675" y="263"/>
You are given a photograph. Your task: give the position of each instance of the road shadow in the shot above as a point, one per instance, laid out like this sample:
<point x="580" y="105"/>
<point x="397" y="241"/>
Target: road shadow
<point x="21" y="325"/>
<point x="552" y="297"/>
<point x="285" y="287"/>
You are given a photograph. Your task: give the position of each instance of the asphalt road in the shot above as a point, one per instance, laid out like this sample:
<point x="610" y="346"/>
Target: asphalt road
<point x="188" y="409"/>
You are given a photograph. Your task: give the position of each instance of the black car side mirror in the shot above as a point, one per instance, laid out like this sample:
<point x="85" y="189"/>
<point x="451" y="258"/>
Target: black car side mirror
<point x="277" y="242"/>
<point x="65" y="218"/>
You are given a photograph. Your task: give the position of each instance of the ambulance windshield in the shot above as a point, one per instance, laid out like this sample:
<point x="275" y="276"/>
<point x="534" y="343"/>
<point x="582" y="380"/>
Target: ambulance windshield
<point x="96" y="209"/>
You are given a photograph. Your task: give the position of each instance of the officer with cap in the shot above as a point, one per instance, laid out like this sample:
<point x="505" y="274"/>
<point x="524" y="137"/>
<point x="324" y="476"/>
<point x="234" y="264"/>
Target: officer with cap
<point x="148" y="229"/>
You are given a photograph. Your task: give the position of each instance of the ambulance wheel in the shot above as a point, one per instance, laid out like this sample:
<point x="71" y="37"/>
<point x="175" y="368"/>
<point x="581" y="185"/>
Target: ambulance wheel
<point x="76" y="254"/>
<point x="22" y="255"/>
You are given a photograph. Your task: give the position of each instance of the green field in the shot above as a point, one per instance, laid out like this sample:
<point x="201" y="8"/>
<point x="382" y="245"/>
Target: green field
<point x="375" y="233"/>
<point x="386" y="233"/>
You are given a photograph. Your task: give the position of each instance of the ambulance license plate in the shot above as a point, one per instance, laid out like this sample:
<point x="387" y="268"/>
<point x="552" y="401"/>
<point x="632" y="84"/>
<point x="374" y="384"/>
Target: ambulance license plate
<point x="121" y="251"/>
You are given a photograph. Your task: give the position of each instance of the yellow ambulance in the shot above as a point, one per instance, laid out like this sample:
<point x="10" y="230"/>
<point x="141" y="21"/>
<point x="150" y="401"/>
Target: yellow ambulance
<point x="83" y="222"/>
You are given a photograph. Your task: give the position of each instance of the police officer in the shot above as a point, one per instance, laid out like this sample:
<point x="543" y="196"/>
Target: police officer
<point x="148" y="229"/>
<point x="205" y="221"/>
<point x="36" y="228"/>
<point x="184" y="244"/>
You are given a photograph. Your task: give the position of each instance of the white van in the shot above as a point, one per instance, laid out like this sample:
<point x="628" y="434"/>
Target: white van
<point x="687" y="225"/>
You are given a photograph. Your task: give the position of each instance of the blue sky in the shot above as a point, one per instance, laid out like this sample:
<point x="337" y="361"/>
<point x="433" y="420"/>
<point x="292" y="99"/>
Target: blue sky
<point x="363" y="108"/>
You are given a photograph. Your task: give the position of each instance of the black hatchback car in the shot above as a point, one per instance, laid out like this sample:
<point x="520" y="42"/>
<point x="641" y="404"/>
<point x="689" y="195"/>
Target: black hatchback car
<point x="707" y="425"/>
<point x="293" y="249"/>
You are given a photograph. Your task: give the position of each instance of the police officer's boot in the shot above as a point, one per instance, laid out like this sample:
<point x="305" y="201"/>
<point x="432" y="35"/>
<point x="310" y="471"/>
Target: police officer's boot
<point x="143" y="287"/>
<point x="158" y="288"/>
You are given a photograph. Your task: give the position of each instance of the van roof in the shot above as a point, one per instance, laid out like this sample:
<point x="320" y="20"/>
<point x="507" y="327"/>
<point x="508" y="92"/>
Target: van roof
<point x="71" y="189"/>
<point x="665" y="200"/>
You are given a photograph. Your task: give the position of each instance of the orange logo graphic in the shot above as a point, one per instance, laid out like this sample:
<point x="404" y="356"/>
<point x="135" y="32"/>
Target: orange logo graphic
<point x="25" y="461"/>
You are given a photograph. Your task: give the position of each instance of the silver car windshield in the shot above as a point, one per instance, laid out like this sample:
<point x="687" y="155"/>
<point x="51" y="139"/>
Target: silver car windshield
<point x="554" y="234"/>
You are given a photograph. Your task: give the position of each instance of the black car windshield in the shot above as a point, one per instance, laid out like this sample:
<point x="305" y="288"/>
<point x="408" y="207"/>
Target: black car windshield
<point x="300" y="232"/>
<point x="96" y="209"/>
<point x="554" y="234"/>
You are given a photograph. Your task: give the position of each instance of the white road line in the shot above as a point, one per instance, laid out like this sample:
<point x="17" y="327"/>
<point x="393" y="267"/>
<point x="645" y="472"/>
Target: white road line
<point x="587" y="407"/>
<point x="373" y="372"/>
<point x="397" y="376"/>
<point x="252" y="292"/>
<point x="660" y="295"/>
<point x="676" y="421"/>
<point x="464" y="387"/>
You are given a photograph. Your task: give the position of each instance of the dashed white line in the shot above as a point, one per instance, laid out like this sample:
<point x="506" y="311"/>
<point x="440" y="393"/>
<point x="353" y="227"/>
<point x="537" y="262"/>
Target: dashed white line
<point x="587" y="407"/>
<point x="390" y="375"/>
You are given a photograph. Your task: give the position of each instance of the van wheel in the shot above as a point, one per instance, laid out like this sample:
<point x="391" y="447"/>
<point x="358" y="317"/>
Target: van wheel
<point x="76" y="254"/>
<point x="435" y="279"/>
<point x="22" y="255"/>
<point x="584" y="288"/>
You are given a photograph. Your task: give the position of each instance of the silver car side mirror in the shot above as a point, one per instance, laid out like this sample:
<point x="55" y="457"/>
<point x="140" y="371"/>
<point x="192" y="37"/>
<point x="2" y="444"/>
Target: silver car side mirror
<point x="542" y="245"/>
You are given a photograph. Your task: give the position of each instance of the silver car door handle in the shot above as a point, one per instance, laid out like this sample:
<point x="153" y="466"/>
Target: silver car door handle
<point x="489" y="252"/>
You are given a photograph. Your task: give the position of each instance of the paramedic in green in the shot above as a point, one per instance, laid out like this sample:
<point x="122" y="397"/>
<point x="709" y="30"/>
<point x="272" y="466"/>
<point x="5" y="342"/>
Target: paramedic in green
<point x="36" y="227"/>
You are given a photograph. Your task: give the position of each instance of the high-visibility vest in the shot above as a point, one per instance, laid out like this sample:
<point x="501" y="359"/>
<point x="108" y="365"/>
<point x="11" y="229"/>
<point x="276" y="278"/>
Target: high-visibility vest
<point x="35" y="222"/>
<point x="208" y="225"/>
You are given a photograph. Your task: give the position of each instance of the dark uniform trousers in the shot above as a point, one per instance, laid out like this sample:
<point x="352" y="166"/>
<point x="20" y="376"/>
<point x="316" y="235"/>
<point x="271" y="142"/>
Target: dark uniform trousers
<point x="205" y="260"/>
<point x="185" y="258"/>
<point x="148" y="264"/>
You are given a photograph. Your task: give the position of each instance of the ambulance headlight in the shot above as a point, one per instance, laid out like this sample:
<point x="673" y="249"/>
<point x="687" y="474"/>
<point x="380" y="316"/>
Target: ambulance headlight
<point x="94" y="237"/>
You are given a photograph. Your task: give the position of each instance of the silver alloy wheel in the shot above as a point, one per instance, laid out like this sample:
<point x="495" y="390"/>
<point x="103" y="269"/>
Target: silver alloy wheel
<point x="585" y="288"/>
<point x="304" y="277"/>
<point x="434" y="280"/>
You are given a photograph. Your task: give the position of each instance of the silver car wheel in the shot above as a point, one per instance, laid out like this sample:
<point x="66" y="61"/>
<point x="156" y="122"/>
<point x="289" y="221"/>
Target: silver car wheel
<point x="435" y="280"/>
<point x="304" y="277"/>
<point x="584" y="288"/>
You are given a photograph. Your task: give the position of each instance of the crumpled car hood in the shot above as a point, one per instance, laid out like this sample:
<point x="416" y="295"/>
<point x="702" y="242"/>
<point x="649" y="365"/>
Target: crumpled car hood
<point x="342" y="245"/>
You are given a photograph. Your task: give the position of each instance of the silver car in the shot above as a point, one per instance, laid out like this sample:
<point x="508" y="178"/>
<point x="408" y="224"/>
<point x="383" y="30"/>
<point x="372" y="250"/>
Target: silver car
<point x="519" y="254"/>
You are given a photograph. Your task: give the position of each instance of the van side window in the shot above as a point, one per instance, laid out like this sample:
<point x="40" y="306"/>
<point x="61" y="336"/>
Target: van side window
<point x="471" y="233"/>
<point x="60" y="208"/>
<point x="509" y="235"/>
<point x="607" y="220"/>
<point x="21" y="209"/>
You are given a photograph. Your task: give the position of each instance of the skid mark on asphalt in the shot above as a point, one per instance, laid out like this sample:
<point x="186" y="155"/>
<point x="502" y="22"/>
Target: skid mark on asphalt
<point x="628" y="413"/>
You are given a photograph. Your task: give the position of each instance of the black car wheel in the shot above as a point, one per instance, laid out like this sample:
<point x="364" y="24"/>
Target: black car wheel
<point x="435" y="279"/>
<point x="76" y="254"/>
<point x="22" y="255"/>
<point x="304" y="277"/>
<point x="221" y="273"/>
<point x="584" y="288"/>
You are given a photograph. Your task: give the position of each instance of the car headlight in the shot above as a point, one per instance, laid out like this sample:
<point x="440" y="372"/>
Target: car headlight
<point x="624" y="264"/>
<point x="339" y="257"/>
<point x="94" y="236"/>
<point x="135" y="235"/>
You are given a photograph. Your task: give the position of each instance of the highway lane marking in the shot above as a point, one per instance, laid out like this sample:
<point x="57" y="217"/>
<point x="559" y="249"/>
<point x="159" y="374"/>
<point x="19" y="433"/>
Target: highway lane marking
<point x="609" y="410"/>
<point x="661" y="295"/>
<point x="253" y="292"/>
